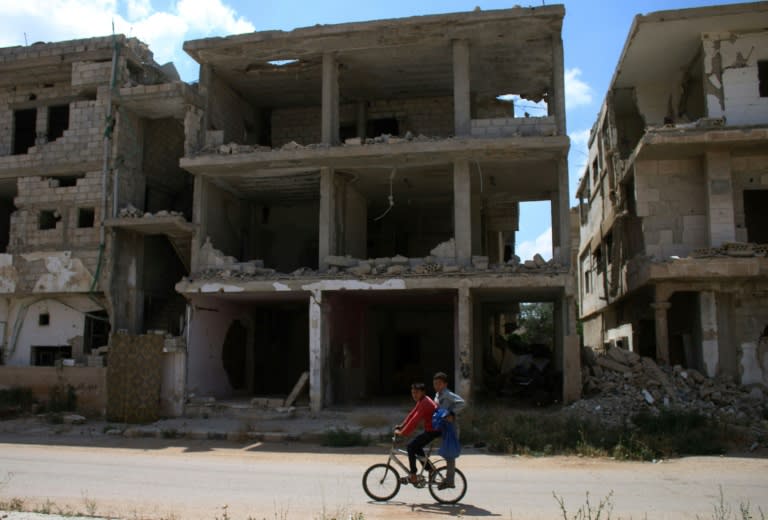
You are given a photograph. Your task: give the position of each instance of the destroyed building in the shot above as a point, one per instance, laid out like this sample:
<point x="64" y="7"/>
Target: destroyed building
<point x="672" y="257"/>
<point x="356" y="198"/>
<point x="87" y="128"/>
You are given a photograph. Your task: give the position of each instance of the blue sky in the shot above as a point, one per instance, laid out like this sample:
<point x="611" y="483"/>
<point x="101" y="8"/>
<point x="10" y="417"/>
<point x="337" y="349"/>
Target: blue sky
<point x="593" y="34"/>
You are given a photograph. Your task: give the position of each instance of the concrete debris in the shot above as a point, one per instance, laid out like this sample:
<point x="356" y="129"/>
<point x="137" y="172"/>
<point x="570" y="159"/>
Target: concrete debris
<point x="619" y="384"/>
<point x="445" y="249"/>
<point x="732" y="249"/>
<point x="214" y="143"/>
<point x="131" y="211"/>
<point x="73" y="419"/>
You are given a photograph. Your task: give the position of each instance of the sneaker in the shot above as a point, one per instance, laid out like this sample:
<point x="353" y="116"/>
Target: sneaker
<point x="446" y="485"/>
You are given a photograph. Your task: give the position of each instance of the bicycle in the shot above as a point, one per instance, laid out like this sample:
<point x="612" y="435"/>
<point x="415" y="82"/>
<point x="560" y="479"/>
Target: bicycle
<point x="382" y="482"/>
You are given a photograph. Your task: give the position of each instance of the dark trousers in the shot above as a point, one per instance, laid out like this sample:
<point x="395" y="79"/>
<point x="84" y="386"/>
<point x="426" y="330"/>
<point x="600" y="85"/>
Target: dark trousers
<point x="416" y="447"/>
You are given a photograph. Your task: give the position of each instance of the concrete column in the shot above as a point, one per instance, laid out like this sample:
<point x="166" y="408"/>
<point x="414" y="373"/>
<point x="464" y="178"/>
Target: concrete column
<point x="720" y="211"/>
<point x="662" y="331"/>
<point x="318" y="351"/>
<point x="200" y="219"/>
<point x="561" y="215"/>
<point x="710" y="347"/>
<point x="556" y="102"/>
<point x="462" y="117"/>
<point x="204" y="89"/>
<point x="327" y="245"/>
<point x="463" y="345"/>
<point x="362" y="119"/>
<point x="462" y="211"/>
<point x="330" y="100"/>
<point x="571" y="364"/>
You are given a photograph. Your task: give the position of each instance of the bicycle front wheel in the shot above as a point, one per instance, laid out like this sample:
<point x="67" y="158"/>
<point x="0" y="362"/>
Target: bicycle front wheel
<point x="381" y="482"/>
<point x="440" y="489"/>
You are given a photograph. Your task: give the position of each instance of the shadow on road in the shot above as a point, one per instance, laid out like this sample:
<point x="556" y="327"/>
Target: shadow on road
<point x="461" y="510"/>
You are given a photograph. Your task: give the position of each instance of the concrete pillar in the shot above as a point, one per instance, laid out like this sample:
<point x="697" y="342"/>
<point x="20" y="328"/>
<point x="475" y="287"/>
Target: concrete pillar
<point x="462" y="211"/>
<point x="710" y="347"/>
<point x="662" y="330"/>
<point x="362" y="119"/>
<point x="720" y="211"/>
<point x="571" y="364"/>
<point x="200" y="219"/>
<point x="556" y="102"/>
<point x="327" y="219"/>
<point x="318" y="351"/>
<point x="463" y="345"/>
<point x="330" y="100"/>
<point x="462" y="117"/>
<point x="561" y="217"/>
<point x="204" y="89"/>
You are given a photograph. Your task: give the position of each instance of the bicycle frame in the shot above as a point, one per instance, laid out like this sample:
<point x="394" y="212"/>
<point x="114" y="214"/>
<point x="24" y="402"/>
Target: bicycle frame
<point x="394" y="451"/>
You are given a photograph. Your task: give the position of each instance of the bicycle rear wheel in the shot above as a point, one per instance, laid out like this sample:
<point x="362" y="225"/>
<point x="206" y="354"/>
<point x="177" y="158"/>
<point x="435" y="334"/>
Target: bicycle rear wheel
<point x="381" y="482"/>
<point x="444" y="494"/>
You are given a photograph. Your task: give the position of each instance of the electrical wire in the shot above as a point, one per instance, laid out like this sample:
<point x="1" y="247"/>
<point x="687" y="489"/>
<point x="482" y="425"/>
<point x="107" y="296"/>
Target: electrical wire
<point x="391" y="196"/>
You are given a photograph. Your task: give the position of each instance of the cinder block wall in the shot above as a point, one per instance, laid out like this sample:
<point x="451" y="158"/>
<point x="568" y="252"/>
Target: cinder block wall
<point x="671" y="200"/>
<point x="429" y="116"/>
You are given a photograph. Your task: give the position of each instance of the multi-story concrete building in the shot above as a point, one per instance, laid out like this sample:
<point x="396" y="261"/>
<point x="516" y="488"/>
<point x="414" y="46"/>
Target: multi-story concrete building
<point x="673" y="200"/>
<point x="88" y="127"/>
<point x="356" y="198"/>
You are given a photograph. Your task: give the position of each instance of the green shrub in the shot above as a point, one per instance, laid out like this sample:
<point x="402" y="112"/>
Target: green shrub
<point x="645" y="437"/>
<point x="16" y="400"/>
<point x="342" y="438"/>
<point x="62" y="398"/>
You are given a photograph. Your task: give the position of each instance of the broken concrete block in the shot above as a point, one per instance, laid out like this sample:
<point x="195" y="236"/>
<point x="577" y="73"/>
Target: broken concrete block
<point x="480" y="262"/>
<point x="341" y="261"/>
<point x="539" y="260"/>
<point x="529" y="264"/>
<point x="400" y="260"/>
<point x="73" y="419"/>
<point x="618" y="355"/>
<point x="445" y="249"/>
<point x="612" y="365"/>
<point x="293" y="145"/>
<point x="362" y="269"/>
<point x="648" y="397"/>
<point x="451" y="268"/>
<point x="396" y="269"/>
<point x="352" y="141"/>
<point x="513" y="260"/>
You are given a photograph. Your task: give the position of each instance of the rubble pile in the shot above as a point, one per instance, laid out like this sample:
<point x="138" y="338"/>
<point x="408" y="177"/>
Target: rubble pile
<point x="131" y="211"/>
<point x="619" y="384"/>
<point x="732" y="249"/>
<point x="214" y="146"/>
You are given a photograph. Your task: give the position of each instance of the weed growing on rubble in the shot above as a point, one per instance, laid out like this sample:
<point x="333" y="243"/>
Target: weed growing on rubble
<point x="588" y="511"/>
<point x="723" y="510"/>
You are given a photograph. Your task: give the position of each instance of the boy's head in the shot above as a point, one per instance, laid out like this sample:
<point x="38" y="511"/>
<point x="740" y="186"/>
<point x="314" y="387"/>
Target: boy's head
<point x="418" y="390"/>
<point x="440" y="381"/>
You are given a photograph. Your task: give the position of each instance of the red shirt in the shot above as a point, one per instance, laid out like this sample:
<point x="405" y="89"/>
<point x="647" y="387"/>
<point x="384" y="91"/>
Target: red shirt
<point x="422" y="412"/>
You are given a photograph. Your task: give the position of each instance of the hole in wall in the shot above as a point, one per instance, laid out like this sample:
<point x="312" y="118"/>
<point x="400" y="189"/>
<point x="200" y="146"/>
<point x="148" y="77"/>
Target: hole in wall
<point x="44" y="319"/>
<point x="48" y="219"/>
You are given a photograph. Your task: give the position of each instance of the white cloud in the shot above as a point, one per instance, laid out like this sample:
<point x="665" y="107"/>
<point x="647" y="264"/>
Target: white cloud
<point x="542" y="245"/>
<point x="138" y="9"/>
<point x="577" y="92"/>
<point x="164" y="30"/>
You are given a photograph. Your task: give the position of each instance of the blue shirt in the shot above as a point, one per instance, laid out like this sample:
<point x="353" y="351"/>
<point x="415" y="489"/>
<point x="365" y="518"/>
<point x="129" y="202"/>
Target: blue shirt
<point x="450" y="401"/>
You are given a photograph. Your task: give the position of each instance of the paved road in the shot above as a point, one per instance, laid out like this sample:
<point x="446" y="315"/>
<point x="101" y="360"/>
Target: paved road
<point x="194" y="480"/>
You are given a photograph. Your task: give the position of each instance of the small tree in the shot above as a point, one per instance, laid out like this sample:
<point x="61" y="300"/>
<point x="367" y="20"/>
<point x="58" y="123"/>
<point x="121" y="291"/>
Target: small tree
<point x="537" y="323"/>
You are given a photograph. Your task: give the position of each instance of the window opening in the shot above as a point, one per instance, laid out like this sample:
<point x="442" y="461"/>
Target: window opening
<point x="24" y="127"/>
<point x="44" y="319"/>
<point x="58" y="121"/>
<point x="96" y="332"/>
<point x="86" y="217"/>
<point x="377" y="127"/>
<point x="48" y="356"/>
<point x="762" y="77"/>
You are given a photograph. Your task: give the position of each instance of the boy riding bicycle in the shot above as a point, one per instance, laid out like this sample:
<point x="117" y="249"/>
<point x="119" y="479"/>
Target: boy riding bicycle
<point x="420" y="414"/>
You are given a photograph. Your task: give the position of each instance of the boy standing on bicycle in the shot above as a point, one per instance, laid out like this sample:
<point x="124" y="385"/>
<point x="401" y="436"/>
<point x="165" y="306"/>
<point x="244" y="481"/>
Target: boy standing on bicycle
<point x="421" y="413"/>
<point x="451" y="404"/>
